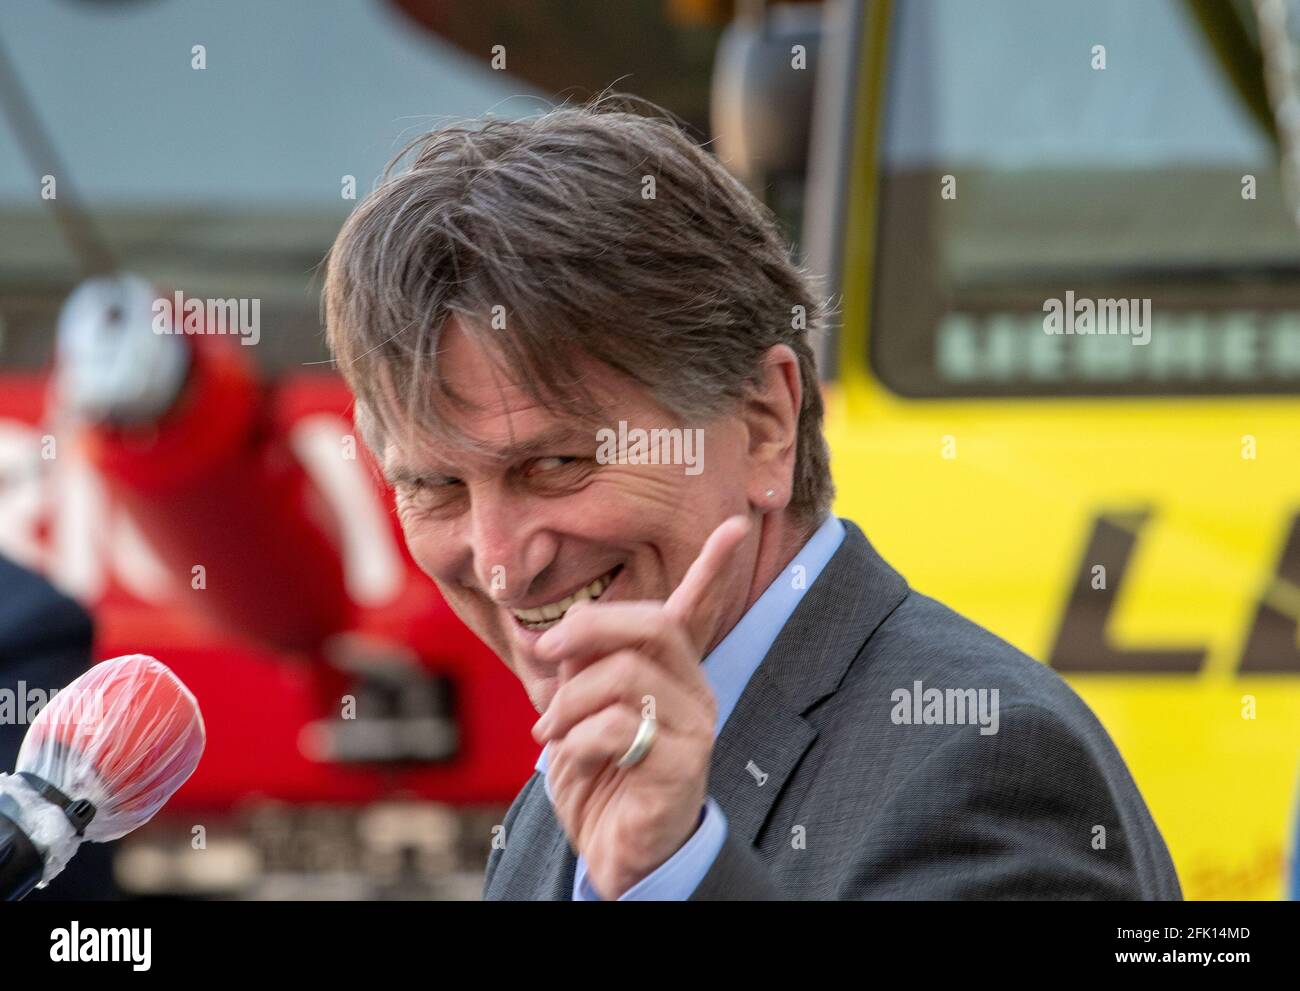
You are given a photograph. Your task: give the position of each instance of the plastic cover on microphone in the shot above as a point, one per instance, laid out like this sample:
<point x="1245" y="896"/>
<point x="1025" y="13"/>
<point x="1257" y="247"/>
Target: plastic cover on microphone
<point x="124" y="736"/>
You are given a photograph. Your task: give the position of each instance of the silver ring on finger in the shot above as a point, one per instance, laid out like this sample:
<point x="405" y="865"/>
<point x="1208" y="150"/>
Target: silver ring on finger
<point x="641" y="744"/>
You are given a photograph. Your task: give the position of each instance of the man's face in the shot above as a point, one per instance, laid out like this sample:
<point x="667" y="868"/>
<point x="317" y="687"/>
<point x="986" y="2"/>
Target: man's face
<point x="517" y="530"/>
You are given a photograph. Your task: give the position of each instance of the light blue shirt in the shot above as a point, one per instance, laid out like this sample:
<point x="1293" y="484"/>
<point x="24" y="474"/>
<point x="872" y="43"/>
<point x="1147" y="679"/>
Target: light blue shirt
<point x="728" y="668"/>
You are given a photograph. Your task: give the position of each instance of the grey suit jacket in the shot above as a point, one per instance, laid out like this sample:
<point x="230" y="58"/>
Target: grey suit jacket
<point x="862" y="800"/>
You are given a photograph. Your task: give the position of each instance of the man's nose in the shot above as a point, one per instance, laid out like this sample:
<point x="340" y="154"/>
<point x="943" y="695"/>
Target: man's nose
<point x="510" y="545"/>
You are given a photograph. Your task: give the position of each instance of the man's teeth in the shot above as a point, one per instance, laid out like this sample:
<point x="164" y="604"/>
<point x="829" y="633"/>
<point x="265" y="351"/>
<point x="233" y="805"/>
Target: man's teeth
<point x="544" y="617"/>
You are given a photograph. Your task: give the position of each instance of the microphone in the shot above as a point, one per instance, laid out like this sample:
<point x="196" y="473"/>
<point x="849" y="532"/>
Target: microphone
<point x="98" y="761"/>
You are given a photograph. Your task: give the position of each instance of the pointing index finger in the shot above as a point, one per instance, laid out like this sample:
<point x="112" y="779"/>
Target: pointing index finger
<point x="694" y="600"/>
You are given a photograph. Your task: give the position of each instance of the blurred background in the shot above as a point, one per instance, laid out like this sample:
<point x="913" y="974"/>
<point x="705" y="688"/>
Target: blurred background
<point x="1129" y="514"/>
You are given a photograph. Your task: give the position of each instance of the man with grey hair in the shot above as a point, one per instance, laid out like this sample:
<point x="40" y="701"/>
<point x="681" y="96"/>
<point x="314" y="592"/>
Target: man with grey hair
<point x="740" y="699"/>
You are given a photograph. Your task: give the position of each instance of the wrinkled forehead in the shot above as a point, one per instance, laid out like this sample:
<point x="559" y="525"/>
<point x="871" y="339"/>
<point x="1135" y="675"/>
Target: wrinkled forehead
<point x="483" y="411"/>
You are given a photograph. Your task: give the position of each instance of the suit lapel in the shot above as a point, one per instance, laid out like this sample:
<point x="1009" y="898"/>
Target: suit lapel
<point x="763" y="741"/>
<point x="554" y="882"/>
<point x="558" y="884"/>
<point x="537" y="863"/>
<point x="767" y="734"/>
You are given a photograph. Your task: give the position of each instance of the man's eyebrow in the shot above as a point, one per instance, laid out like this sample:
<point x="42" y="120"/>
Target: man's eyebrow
<point x="549" y="439"/>
<point x="546" y="440"/>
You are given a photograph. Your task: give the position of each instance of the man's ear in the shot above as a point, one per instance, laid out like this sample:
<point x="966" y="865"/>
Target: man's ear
<point x="771" y="415"/>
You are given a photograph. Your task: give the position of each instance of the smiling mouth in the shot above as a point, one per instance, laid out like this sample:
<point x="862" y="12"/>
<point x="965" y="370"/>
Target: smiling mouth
<point x="544" y="617"/>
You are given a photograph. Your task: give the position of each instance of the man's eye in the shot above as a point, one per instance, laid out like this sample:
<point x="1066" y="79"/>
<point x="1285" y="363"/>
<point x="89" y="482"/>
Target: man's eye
<point x="557" y="473"/>
<point x="539" y="465"/>
<point x="424" y="488"/>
